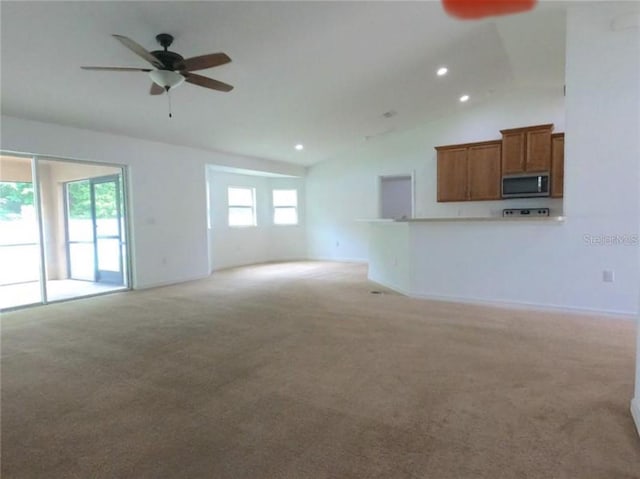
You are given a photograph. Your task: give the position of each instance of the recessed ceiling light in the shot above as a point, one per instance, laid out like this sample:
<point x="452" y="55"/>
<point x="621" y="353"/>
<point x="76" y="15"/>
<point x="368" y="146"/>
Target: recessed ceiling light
<point x="442" y="71"/>
<point x="464" y="98"/>
<point x="299" y="147"/>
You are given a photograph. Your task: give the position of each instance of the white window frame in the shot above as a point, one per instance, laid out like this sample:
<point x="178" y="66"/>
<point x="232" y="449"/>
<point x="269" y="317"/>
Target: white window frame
<point x="284" y="207"/>
<point x="252" y="207"/>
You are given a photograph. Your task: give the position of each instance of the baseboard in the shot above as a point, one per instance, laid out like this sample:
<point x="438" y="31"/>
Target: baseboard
<point x="392" y="287"/>
<point x="270" y="261"/>
<point x="170" y="282"/>
<point x="340" y="260"/>
<point x="635" y="412"/>
<point x="226" y="267"/>
<point x="516" y="304"/>
<point x="630" y="316"/>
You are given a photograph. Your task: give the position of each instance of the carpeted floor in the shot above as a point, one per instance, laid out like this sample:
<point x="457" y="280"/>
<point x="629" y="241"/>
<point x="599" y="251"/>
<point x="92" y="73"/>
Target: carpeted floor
<point x="297" y="371"/>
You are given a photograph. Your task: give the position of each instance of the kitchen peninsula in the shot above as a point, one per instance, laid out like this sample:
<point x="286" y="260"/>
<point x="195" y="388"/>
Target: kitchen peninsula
<point x="475" y="259"/>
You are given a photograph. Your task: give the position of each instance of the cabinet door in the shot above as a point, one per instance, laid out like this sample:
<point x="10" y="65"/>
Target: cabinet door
<point x="513" y="153"/>
<point x="484" y="172"/>
<point x="452" y="174"/>
<point x="557" y="166"/>
<point x="538" y="156"/>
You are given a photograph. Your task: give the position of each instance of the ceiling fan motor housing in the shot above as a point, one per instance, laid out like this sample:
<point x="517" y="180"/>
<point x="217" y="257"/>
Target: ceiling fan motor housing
<point x="169" y="59"/>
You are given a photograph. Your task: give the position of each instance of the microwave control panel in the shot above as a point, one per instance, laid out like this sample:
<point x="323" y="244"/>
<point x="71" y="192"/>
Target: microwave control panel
<point x="524" y="212"/>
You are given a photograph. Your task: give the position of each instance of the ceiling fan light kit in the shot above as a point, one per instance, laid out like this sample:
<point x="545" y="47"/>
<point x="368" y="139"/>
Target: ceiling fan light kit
<point x="166" y="78"/>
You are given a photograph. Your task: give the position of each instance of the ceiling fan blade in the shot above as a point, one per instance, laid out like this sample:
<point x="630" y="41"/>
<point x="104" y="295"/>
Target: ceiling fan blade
<point x="203" y="62"/>
<point x="206" y="82"/>
<point x="156" y="89"/>
<point x="117" y="69"/>
<point x="139" y="50"/>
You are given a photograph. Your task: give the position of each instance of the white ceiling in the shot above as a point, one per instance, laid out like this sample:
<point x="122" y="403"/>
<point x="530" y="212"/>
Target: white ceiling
<point x="318" y="73"/>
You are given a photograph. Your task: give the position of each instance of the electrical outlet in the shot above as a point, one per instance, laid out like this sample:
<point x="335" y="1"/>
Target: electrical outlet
<point x="608" y="276"/>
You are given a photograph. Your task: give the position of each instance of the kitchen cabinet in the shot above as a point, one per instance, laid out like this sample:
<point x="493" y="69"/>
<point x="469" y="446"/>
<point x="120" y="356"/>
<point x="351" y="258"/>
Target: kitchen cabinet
<point x="452" y="174"/>
<point x="484" y="171"/>
<point x="557" y="165"/>
<point x="469" y="172"/>
<point x="526" y="150"/>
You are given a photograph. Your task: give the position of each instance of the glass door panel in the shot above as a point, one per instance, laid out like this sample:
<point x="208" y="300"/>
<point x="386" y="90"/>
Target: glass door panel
<point x="81" y="261"/>
<point x="80" y="231"/>
<point x="19" y="234"/>
<point x="105" y="194"/>
<point x="109" y="256"/>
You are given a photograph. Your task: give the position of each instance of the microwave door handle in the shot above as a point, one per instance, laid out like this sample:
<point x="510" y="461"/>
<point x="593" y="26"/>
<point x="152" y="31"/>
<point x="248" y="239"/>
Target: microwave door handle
<point x="539" y="184"/>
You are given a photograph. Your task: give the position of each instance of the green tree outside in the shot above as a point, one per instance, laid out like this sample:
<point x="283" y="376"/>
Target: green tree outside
<point x="13" y="196"/>
<point x="80" y="200"/>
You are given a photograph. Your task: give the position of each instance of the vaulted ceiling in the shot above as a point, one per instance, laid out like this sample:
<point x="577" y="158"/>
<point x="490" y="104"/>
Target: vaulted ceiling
<point x="319" y="73"/>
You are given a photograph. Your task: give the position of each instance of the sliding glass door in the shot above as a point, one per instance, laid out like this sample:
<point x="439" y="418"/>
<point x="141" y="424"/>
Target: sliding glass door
<point x="62" y="230"/>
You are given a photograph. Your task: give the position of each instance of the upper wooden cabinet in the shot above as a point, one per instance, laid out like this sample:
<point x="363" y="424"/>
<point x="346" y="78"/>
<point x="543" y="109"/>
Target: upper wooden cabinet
<point x="526" y="150"/>
<point x="557" y="165"/>
<point x="484" y="171"/>
<point x="469" y="172"/>
<point x="453" y="174"/>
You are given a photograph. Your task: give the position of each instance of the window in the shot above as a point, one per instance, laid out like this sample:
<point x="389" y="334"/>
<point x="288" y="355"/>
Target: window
<point x="242" y="206"/>
<point x="285" y="207"/>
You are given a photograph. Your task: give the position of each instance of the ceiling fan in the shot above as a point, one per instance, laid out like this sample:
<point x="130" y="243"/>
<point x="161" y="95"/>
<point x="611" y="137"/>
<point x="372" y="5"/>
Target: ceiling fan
<point x="171" y="69"/>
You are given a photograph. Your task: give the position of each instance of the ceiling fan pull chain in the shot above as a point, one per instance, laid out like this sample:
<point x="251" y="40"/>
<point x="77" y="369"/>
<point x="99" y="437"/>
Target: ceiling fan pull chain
<point x="169" y="98"/>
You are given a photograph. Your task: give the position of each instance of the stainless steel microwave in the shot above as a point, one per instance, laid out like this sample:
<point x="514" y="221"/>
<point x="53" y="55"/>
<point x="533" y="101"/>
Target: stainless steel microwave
<point x="526" y="185"/>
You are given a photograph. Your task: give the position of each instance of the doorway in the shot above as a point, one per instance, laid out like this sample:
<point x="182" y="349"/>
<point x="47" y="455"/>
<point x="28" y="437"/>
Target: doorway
<point x="94" y="226"/>
<point x="396" y="197"/>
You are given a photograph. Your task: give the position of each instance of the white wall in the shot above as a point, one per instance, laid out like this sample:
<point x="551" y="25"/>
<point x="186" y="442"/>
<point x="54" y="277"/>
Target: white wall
<point x="390" y="258"/>
<point x="234" y="246"/>
<point x="547" y="265"/>
<point x="167" y="191"/>
<point x="603" y="115"/>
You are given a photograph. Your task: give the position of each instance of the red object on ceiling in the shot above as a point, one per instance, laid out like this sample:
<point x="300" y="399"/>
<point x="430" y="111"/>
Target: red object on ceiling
<point x="470" y="9"/>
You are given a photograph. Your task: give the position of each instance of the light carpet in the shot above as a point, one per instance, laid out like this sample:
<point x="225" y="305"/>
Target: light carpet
<point x="296" y="371"/>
